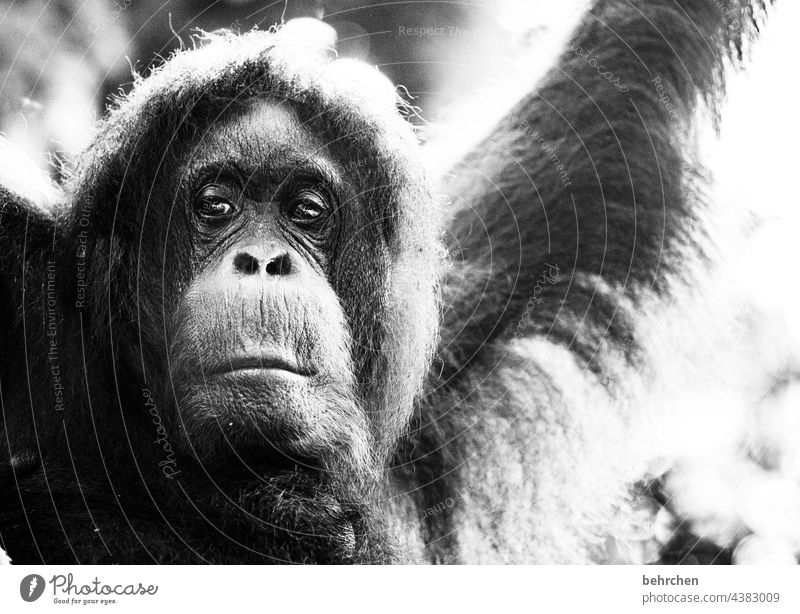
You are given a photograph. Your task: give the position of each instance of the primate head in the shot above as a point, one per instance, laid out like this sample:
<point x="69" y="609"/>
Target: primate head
<point x="265" y="252"/>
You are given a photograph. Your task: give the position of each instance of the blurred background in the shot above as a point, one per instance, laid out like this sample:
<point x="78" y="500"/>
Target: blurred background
<point x="60" y="60"/>
<point x="731" y="392"/>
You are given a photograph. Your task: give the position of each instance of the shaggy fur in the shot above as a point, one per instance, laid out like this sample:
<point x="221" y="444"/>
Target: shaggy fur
<point x="515" y="446"/>
<point x="524" y="448"/>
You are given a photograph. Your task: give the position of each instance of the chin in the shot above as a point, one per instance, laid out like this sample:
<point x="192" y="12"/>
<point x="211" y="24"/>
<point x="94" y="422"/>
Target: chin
<point x="269" y="419"/>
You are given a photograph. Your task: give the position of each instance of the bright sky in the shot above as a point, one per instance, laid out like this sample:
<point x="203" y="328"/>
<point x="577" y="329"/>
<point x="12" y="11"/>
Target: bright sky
<point x="757" y="158"/>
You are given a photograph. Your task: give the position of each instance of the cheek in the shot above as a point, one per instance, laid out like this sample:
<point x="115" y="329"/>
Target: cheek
<point x="361" y="277"/>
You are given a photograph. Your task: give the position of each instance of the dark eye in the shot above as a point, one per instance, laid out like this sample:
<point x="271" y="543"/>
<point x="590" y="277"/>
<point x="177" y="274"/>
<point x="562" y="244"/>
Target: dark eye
<point x="212" y="206"/>
<point x="307" y="208"/>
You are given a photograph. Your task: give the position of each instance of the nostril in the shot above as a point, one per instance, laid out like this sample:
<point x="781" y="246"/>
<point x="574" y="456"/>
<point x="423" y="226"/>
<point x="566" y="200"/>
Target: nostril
<point x="245" y="263"/>
<point x="280" y="265"/>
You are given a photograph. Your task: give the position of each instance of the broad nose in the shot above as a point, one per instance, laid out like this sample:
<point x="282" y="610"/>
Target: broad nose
<point x="259" y="261"/>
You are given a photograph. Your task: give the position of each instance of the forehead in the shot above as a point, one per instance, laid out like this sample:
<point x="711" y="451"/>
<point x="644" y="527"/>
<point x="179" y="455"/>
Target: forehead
<point x="265" y="137"/>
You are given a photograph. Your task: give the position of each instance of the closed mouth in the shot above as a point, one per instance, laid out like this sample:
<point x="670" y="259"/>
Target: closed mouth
<point x="259" y="363"/>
